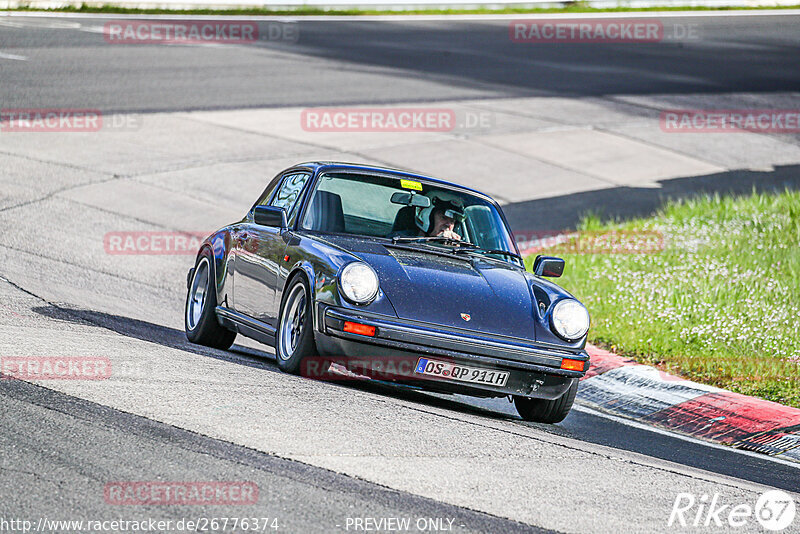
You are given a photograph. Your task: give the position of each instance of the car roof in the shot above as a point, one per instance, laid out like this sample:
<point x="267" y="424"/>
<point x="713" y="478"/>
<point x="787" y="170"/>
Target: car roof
<point x="323" y="166"/>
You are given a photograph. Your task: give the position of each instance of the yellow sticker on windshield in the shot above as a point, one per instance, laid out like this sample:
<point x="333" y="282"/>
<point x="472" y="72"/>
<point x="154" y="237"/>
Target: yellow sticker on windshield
<point x="411" y="184"/>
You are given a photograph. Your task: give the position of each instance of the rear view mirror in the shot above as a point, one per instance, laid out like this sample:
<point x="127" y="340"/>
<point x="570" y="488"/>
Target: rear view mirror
<point x="270" y="216"/>
<point x="548" y="266"/>
<point x="411" y="199"/>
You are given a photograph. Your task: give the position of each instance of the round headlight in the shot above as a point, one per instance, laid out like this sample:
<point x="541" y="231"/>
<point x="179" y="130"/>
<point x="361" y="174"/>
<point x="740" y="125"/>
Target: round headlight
<point x="358" y="282"/>
<point x="570" y="319"/>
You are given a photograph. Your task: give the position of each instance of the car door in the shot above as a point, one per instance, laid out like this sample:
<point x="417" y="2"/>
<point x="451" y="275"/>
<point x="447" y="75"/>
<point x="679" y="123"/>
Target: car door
<point x="259" y="251"/>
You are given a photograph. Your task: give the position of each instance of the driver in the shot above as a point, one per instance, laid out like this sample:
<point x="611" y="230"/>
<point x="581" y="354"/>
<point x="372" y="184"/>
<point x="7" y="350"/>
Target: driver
<point x="441" y="218"/>
<point x="437" y="220"/>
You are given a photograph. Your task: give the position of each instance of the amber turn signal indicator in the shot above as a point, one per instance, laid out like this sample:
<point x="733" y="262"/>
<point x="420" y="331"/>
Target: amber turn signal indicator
<point x="362" y="329"/>
<point x="572" y="365"/>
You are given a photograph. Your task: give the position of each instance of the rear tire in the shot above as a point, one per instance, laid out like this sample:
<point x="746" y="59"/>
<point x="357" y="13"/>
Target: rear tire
<point x="294" y="340"/>
<point x="547" y="411"/>
<point x="200" y="318"/>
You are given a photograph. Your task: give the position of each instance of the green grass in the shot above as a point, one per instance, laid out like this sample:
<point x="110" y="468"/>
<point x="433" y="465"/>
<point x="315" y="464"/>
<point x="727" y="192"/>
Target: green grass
<point x="572" y="7"/>
<point x="720" y="304"/>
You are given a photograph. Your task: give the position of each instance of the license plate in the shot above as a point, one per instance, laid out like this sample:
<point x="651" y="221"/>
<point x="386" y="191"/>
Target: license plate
<point x="451" y="371"/>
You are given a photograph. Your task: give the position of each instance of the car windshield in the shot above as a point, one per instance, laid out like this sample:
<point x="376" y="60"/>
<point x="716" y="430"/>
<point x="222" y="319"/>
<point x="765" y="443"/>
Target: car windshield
<point x="389" y="207"/>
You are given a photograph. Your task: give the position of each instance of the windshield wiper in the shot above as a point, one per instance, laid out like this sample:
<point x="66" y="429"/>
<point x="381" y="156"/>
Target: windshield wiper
<point x="434" y="239"/>
<point x="493" y="251"/>
<point x="464" y="246"/>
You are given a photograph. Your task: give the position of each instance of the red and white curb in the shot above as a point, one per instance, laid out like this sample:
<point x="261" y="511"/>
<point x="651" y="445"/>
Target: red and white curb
<point x="622" y="387"/>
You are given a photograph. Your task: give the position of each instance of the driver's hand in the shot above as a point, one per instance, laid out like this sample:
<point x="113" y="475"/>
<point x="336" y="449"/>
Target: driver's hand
<point x="450" y="235"/>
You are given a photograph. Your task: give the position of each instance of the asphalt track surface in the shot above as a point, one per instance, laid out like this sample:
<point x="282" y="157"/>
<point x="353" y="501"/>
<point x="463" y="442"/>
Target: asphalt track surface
<point x="350" y="62"/>
<point x="60" y="445"/>
<point x="57" y="447"/>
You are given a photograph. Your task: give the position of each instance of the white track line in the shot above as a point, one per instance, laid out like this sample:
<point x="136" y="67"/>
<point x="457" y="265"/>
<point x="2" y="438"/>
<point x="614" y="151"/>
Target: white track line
<point x="42" y="25"/>
<point x="422" y="18"/>
<point x="684" y="437"/>
<point x="13" y="56"/>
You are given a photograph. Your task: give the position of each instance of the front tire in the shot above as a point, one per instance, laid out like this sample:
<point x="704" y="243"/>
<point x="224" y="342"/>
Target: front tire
<point x="547" y="411"/>
<point x="295" y="336"/>
<point x="200" y="318"/>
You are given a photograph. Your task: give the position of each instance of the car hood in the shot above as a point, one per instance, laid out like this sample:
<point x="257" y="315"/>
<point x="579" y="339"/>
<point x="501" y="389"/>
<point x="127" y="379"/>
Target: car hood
<point x="493" y="296"/>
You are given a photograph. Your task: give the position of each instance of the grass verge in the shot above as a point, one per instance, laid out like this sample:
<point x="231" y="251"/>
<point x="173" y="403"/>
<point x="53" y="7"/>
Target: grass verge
<point x="720" y="304"/>
<point x="574" y="7"/>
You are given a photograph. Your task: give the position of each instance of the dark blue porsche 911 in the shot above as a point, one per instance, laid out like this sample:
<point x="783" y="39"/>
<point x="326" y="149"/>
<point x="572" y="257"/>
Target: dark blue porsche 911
<point x="356" y="271"/>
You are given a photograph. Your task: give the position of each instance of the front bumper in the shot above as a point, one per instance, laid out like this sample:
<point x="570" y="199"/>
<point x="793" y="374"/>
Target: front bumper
<point x="534" y="369"/>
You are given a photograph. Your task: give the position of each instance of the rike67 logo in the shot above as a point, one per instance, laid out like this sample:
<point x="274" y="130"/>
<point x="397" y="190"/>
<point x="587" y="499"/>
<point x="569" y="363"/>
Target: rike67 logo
<point x="774" y="510"/>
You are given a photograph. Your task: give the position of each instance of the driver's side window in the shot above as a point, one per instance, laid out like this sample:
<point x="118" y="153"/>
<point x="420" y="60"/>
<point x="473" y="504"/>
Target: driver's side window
<point x="288" y="194"/>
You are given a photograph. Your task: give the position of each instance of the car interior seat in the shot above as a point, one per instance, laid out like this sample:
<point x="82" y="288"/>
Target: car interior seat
<point x="404" y="220"/>
<point x="326" y="213"/>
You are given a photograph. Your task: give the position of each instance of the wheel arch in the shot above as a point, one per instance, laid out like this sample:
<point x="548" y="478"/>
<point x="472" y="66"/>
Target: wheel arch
<point x="304" y="268"/>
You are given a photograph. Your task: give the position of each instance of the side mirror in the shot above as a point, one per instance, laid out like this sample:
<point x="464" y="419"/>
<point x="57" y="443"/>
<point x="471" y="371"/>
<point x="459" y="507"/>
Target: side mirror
<point x="270" y="216"/>
<point x="411" y="199"/>
<point x="548" y="266"/>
